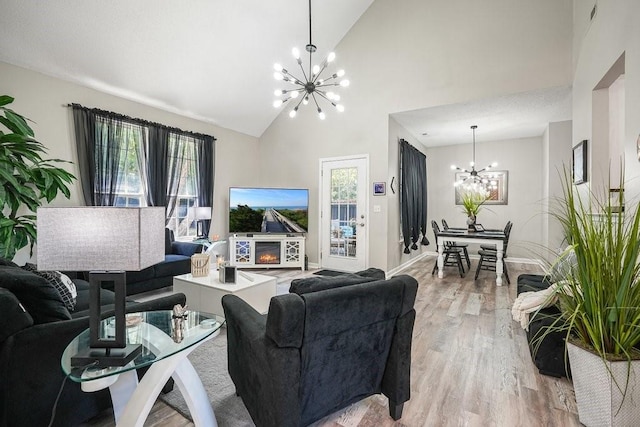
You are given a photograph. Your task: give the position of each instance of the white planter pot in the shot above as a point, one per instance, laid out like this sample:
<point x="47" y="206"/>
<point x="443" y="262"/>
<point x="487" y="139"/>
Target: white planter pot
<point x="598" y="397"/>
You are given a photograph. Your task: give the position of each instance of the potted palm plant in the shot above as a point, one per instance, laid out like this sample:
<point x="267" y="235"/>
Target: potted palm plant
<point x="600" y="304"/>
<point x="26" y="180"/>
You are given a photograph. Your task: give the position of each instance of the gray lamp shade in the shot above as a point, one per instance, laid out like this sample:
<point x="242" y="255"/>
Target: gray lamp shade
<point x="99" y="238"/>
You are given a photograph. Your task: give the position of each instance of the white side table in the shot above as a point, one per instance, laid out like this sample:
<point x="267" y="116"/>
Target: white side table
<point x="205" y="293"/>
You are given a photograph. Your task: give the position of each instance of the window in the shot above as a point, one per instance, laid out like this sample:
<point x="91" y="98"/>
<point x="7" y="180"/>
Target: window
<point x="132" y="162"/>
<point x="182" y="220"/>
<point x="129" y="190"/>
<point x="117" y="156"/>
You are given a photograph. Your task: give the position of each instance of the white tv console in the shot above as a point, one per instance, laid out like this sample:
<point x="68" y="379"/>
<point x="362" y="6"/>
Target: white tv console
<point x="267" y="250"/>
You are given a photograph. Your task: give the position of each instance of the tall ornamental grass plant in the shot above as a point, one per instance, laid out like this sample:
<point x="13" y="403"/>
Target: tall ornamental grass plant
<point x="600" y="299"/>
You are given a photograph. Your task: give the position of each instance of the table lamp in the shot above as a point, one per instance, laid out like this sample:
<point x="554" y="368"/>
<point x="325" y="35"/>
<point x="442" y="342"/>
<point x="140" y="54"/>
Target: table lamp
<point x="202" y="213"/>
<point x="106" y="241"/>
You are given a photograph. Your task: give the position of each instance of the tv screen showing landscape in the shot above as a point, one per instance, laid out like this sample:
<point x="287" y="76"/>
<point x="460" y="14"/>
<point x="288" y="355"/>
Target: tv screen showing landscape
<point x="268" y="210"/>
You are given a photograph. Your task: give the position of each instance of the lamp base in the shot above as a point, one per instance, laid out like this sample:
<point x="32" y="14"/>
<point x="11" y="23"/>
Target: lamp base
<point x="106" y="357"/>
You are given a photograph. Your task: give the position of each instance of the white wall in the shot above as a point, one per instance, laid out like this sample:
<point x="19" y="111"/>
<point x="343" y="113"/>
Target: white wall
<point x="413" y="54"/>
<point x="44" y="100"/>
<point x="616" y="129"/>
<point x="522" y="158"/>
<point x="614" y="31"/>
<point x="557" y="151"/>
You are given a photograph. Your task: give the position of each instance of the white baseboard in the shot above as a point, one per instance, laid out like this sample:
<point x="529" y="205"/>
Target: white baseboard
<point x="537" y="262"/>
<point x="402" y="266"/>
<point x="395" y="270"/>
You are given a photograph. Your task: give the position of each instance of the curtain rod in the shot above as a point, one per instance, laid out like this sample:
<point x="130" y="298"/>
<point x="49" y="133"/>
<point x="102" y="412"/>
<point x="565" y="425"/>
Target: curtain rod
<point x="401" y="140"/>
<point x="140" y="121"/>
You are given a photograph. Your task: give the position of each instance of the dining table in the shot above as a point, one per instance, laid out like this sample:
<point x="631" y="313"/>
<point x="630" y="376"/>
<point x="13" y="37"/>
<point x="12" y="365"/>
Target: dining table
<point x="463" y="235"/>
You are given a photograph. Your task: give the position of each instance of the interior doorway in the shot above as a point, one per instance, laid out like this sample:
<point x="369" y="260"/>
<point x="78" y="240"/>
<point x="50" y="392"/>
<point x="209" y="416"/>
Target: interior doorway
<point x="343" y="208"/>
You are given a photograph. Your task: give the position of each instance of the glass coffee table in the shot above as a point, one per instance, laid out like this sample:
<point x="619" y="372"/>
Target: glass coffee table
<point x="164" y="351"/>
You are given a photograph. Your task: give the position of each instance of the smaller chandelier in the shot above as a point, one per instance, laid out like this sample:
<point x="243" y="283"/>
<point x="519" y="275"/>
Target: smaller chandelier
<point x="312" y="85"/>
<point x="475" y="181"/>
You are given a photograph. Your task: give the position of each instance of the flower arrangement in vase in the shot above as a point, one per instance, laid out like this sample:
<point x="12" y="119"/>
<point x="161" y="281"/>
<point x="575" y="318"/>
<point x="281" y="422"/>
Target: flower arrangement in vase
<point x="473" y="198"/>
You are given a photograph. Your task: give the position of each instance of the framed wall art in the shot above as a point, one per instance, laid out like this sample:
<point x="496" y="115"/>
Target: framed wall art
<point x="498" y="193"/>
<point x="379" y="188"/>
<point x="579" y="169"/>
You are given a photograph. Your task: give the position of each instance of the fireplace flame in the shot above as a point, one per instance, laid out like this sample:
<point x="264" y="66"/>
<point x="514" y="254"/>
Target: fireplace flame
<point x="268" y="259"/>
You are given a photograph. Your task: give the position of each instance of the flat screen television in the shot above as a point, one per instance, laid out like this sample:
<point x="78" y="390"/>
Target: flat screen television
<point x="268" y="210"/>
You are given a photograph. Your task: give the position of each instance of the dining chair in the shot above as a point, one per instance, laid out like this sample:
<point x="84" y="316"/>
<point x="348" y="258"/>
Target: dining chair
<point x="489" y="257"/>
<point x="493" y="247"/>
<point x="448" y="251"/>
<point x="463" y="246"/>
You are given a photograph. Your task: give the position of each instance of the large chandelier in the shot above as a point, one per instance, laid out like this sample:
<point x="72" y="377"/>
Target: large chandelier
<point x="312" y="85"/>
<point x="475" y="181"/>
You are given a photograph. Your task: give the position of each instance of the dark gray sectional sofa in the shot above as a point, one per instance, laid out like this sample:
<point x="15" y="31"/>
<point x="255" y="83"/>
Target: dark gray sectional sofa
<point x="35" y="328"/>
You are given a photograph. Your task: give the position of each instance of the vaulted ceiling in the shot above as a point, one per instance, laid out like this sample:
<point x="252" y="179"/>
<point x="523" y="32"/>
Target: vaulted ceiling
<point x="207" y="59"/>
<point x="212" y="60"/>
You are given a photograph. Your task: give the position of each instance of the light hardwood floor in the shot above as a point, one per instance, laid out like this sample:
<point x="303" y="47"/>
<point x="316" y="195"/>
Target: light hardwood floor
<point x="470" y="362"/>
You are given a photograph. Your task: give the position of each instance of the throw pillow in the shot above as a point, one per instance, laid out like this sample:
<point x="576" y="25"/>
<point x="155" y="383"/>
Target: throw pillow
<point x="63" y="284"/>
<point x="41" y="300"/>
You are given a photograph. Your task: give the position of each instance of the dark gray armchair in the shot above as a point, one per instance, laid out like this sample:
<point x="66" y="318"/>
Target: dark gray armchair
<point x="320" y="351"/>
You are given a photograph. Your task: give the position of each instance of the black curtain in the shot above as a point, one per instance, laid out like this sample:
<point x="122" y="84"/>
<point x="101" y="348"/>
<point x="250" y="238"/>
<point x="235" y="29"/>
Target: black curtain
<point x="413" y="196"/>
<point x="157" y="171"/>
<point x="100" y="141"/>
<point x="177" y="151"/>
<point x="206" y="160"/>
<point x="84" y="122"/>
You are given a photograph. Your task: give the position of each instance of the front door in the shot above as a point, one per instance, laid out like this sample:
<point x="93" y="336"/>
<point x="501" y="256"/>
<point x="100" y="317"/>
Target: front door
<point x="343" y="221"/>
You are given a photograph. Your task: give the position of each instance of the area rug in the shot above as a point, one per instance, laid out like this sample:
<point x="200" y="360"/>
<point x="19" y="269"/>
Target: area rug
<point x="210" y="360"/>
